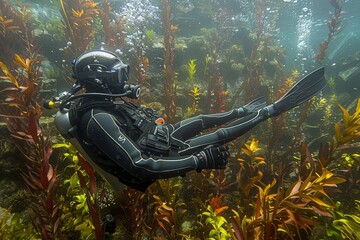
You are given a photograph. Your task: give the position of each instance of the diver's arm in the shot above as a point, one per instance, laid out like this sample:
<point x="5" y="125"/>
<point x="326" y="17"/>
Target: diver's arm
<point x="109" y="138"/>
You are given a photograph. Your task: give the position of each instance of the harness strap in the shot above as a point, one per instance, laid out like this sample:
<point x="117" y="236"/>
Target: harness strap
<point x="154" y="137"/>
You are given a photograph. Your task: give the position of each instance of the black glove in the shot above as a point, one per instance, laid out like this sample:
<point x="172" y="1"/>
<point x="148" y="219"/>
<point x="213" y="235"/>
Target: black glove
<point x="212" y="158"/>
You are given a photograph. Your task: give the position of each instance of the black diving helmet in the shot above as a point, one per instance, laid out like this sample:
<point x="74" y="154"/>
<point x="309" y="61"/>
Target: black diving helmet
<point x="101" y="71"/>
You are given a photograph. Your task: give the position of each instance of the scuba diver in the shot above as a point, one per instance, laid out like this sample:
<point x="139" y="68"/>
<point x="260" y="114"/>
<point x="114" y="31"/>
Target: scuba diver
<point x="130" y="145"/>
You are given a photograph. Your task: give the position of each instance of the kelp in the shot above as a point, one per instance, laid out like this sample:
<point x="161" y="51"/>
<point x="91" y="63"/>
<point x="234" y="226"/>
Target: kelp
<point x="214" y="218"/>
<point x="132" y="205"/>
<point x="163" y="216"/>
<point x="82" y="198"/>
<point x="170" y="85"/>
<point x="15" y="30"/>
<point x="282" y="209"/>
<point x="90" y="190"/>
<point x="194" y="109"/>
<point x="216" y="97"/>
<point x="113" y="29"/>
<point x="78" y="21"/>
<point x="334" y="28"/>
<point x="21" y="111"/>
<point x="255" y="72"/>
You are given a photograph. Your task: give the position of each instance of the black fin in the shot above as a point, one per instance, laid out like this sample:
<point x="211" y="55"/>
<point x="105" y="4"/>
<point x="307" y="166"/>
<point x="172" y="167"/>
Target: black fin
<point x="255" y="104"/>
<point x="302" y="91"/>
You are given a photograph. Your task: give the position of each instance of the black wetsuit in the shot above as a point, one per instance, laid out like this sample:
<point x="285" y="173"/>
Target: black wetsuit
<point x="126" y="141"/>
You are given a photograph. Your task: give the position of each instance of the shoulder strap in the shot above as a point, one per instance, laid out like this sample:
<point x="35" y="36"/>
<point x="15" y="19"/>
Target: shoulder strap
<point x="77" y="109"/>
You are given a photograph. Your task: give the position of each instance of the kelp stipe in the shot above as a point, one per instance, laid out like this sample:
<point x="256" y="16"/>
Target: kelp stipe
<point x="258" y="56"/>
<point x="132" y="206"/>
<point x="334" y="27"/>
<point x="170" y="85"/>
<point x="216" y="97"/>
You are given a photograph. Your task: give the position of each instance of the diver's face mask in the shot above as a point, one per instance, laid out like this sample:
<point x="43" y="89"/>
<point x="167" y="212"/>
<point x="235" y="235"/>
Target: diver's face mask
<point x="118" y="76"/>
<point x="114" y="79"/>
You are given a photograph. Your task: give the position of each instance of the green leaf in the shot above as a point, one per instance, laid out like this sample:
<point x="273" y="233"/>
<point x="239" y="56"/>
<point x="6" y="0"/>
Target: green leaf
<point x="60" y="145"/>
<point x="338" y="134"/>
<point x="295" y="206"/>
<point x="295" y="188"/>
<point x="213" y="233"/>
<point x="247" y="152"/>
<point x="315" y="200"/>
<point x="334" y="180"/>
<point x="306" y="182"/>
<point x="346" y="116"/>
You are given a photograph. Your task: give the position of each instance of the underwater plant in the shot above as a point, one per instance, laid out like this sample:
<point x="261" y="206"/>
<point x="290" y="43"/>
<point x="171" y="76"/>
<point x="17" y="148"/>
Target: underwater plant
<point x="215" y="219"/>
<point x="113" y="29"/>
<point x="78" y="21"/>
<point x="195" y="95"/>
<point x="216" y="96"/>
<point x="13" y="227"/>
<point x="15" y="30"/>
<point x="192" y="71"/>
<point x="350" y="129"/>
<point x="249" y="174"/>
<point x="132" y="205"/>
<point x="170" y="85"/>
<point x="82" y="213"/>
<point x="75" y="212"/>
<point x="345" y="226"/>
<point x="167" y="207"/>
<point x="90" y="190"/>
<point x="163" y="216"/>
<point x="21" y="111"/>
<point x="333" y="26"/>
<point x="150" y="38"/>
<point x="289" y="210"/>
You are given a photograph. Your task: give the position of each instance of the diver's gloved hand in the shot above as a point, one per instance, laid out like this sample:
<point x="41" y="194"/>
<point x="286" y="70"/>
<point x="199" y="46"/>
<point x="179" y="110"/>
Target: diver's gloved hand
<point x="212" y="158"/>
<point x="252" y="106"/>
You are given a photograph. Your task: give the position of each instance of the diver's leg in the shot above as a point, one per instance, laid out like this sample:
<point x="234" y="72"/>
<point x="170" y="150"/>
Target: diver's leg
<point x="190" y="127"/>
<point x="227" y="133"/>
